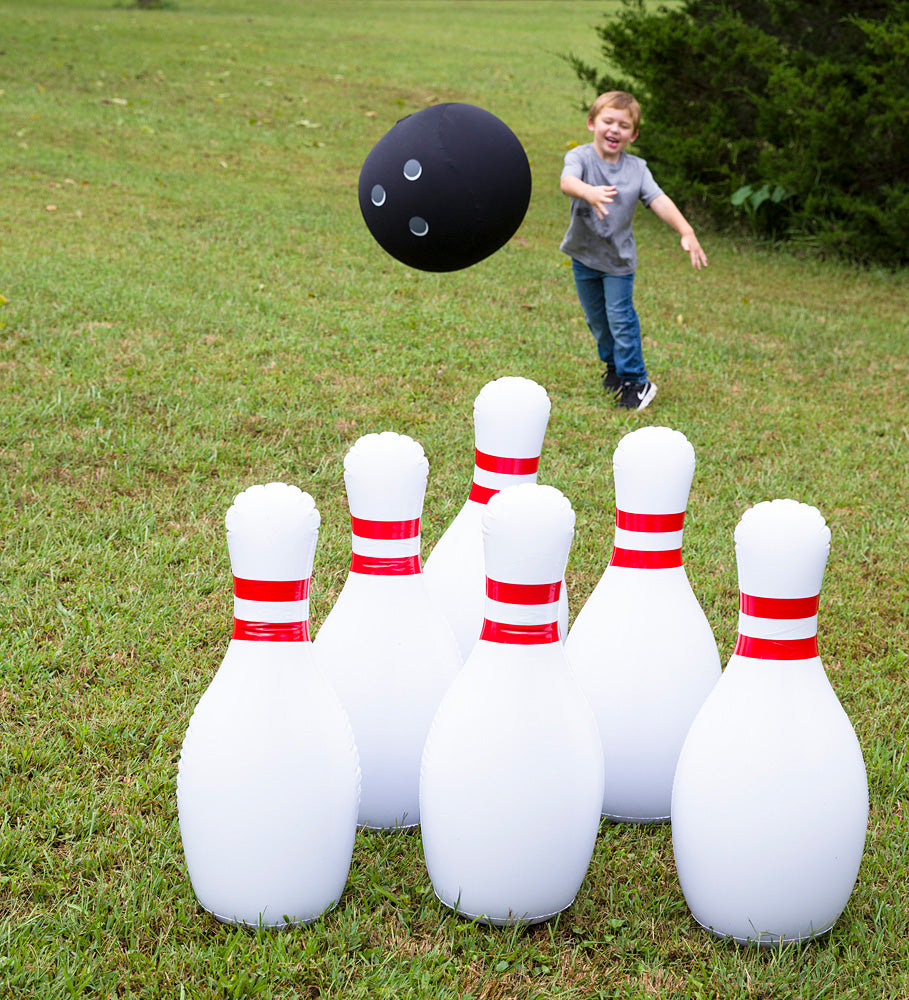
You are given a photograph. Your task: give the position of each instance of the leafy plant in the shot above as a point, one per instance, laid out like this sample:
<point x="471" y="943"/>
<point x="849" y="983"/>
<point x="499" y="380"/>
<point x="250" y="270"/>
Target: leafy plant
<point x="751" y="199"/>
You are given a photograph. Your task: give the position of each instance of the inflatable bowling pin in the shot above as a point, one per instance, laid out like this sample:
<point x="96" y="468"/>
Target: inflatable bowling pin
<point x="386" y="648"/>
<point x="512" y="775"/>
<point x="770" y="801"/>
<point x="641" y="646"/>
<point x="510" y="418"/>
<point x="268" y="781"/>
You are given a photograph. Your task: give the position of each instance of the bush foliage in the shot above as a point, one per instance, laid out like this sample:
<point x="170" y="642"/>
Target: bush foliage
<point x="792" y="117"/>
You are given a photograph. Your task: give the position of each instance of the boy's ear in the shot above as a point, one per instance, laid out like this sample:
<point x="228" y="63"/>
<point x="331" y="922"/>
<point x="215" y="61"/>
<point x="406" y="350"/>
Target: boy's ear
<point x="590" y="125"/>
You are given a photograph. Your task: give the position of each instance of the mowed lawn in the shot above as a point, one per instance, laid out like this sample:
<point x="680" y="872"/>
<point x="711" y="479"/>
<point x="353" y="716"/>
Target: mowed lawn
<point x="190" y="303"/>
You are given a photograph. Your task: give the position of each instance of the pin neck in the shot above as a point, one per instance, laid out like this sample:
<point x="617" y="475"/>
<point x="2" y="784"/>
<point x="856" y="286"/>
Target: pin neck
<point x="493" y="473"/>
<point x="647" y="541"/>
<point x="258" y="602"/>
<point x="385" y="548"/>
<point x="524" y="614"/>
<point x="777" y="628"/>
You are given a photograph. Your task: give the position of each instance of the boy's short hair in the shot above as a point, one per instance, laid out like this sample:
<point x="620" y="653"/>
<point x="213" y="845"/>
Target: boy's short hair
<point x="617" y="99"/>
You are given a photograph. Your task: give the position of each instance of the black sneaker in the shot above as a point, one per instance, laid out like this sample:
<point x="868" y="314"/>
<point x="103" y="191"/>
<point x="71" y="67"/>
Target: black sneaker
<point x="637" y="395"/>
<point x="611" y="382"/>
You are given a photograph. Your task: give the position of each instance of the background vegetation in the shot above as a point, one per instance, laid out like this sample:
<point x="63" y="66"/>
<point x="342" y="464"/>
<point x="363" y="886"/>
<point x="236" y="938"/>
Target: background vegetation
<point x="190" y="303"/>
<point x="788" y="116"/>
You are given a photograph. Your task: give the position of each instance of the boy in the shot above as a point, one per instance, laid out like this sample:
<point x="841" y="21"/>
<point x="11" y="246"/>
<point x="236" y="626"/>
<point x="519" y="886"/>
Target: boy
<point x="601" y="242"/>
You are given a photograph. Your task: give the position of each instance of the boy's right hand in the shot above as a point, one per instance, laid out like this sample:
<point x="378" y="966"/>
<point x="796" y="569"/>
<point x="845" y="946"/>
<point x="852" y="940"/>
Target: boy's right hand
<point x="600" y="196"/>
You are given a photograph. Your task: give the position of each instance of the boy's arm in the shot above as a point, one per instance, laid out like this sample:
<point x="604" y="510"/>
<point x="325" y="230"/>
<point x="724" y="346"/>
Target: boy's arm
<point x="599" y="196"/>
<point x="665" y="208"/>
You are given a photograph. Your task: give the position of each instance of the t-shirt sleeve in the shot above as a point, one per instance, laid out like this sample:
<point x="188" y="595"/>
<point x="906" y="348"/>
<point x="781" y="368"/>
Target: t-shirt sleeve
<point x="649" y="187"/>
<point x="574" y="164"/>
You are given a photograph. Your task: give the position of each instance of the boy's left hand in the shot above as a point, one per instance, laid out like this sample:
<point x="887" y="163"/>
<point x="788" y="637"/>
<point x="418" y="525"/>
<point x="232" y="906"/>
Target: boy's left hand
<point x="693" y="248"/>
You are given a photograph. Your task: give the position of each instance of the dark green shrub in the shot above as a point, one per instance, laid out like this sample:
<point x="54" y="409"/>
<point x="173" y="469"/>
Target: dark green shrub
<point x="790" y="116"/>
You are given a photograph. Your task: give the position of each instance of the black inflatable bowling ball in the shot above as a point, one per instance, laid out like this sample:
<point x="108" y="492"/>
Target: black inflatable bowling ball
<point x="445" y="187"/>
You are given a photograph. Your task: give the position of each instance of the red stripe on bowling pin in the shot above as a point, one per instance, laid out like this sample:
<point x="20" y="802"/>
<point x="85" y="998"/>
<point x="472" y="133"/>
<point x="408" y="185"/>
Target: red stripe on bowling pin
<point x="271" y="631"/>
<point x="772" y="618"/>
<point x="523" y="593"/>
<point x="649" y="553"/>
<point x="646" y="558"/>
<point x="483" y="487"/>
<point x="365" y="528"/>
<point x="481" y="494"/>
<point x="778" y="607"/>
<point x="522" y="635"/>
<point x="506" y="466"/>
<point x="272" y="592"/>
<point x="381" y="566"/>
<point x="649" y="522"/>
<point x="373" y="556"/>
<point x="536" y="604"/>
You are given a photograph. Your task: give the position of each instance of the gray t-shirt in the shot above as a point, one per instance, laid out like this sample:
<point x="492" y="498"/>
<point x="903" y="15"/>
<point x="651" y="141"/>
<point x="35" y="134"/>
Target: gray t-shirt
<point x="607" y="244"/>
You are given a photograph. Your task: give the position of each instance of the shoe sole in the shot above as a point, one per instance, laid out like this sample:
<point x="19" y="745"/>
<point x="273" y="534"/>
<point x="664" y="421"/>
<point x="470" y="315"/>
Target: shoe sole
<point x="648" y="398"/>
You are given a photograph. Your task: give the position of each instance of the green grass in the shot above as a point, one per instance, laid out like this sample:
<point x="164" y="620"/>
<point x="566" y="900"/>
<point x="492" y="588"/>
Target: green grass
<point x="193" y="304"/>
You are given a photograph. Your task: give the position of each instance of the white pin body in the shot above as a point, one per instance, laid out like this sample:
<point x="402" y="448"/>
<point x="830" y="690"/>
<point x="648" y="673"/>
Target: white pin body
<point x="390" y="655"/>
<point x="268" y="779"/>
<point x="641" y="646"/>
<point x="268" y="789"/>
<point x="770" y="800"/>
<point x="646" y="658"/>
<point x="512" y="773"/>
<point x="385" y="646"/>
<point x="454" y="576"/>
<point x="770" y="804"/>
<point x="511" y="415"/>
<point x="511" y="787"/>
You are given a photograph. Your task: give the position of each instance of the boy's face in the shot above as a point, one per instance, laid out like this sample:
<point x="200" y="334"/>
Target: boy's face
<point x="613" y="129"/>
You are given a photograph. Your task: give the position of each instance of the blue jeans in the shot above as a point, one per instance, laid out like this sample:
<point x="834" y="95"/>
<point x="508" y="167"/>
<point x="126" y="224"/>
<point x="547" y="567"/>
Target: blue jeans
<point x="608" y="304"/>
